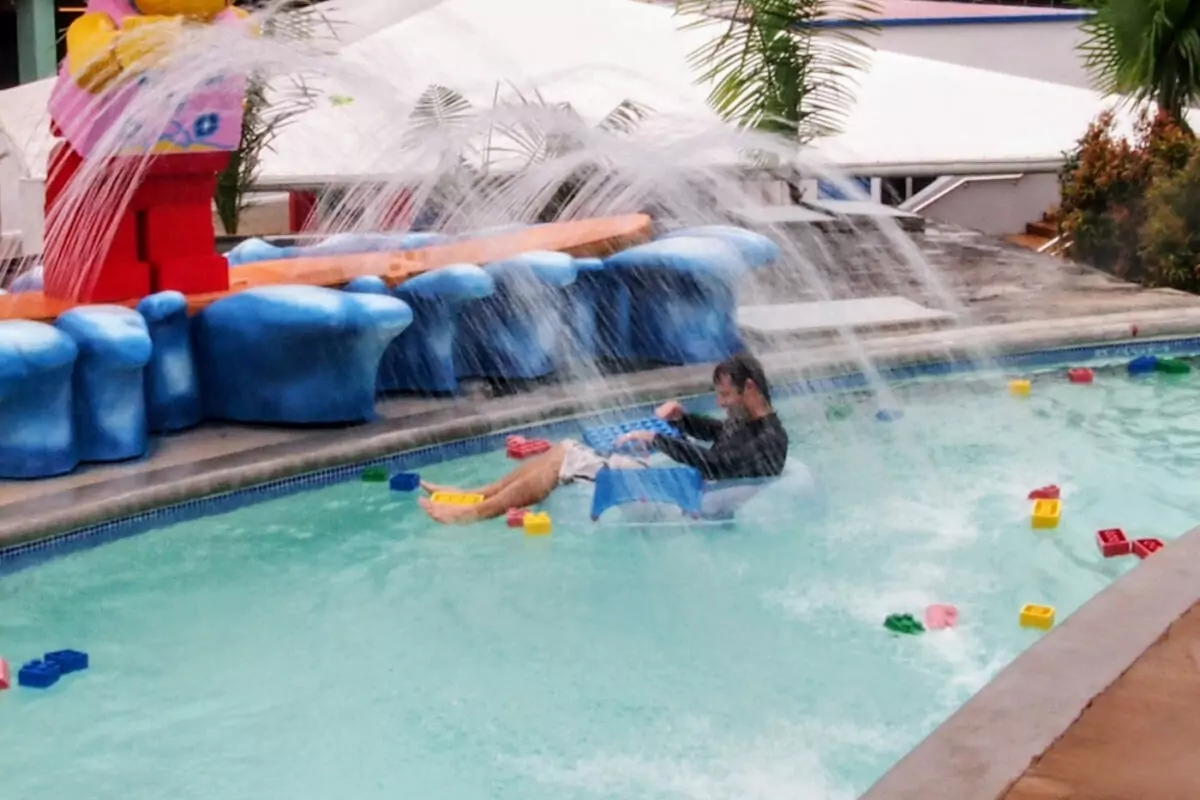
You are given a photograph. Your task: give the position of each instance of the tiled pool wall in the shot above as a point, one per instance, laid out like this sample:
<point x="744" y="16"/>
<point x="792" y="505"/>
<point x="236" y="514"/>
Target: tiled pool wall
<point x="27" y="554"/>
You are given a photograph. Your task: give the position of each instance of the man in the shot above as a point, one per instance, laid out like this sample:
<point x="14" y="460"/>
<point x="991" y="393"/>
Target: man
<point x="750" y="443"/>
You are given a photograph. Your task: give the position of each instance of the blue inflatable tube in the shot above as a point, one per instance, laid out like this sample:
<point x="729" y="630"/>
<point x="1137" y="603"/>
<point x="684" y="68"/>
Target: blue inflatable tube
<point x="671" y="494"/>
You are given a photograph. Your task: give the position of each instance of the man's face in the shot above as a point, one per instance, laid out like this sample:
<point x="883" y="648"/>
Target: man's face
<point x="729" y="398"/>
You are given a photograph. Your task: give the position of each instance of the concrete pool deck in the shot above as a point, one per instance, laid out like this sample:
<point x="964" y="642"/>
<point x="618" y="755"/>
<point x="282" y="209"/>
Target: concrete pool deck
<point x="1037" y="731"/>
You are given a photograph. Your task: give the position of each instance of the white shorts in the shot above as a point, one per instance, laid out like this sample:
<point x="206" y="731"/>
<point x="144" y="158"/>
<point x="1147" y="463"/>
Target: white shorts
<point x="582" y="463"/>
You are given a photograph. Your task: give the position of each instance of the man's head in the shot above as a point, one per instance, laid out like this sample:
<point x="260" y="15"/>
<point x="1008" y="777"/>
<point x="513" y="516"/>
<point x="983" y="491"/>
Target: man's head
<point x="741" y="387"/>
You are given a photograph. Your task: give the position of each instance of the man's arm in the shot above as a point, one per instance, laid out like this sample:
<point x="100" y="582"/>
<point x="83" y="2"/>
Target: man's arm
<point x="751" y="457"/>
<point x="699" y="426"/>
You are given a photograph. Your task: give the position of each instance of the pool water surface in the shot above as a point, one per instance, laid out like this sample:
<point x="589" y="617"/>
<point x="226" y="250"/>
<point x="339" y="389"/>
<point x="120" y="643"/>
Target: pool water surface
<point x="336" y="643"/>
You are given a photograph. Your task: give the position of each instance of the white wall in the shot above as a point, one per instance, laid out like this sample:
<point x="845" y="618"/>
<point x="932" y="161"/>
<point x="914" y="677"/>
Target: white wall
<point x="996" y="205"/>
<point x="1041" y="50"/>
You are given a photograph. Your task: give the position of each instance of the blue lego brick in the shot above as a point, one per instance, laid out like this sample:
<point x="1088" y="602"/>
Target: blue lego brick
<point x="1142" y="365"/>
<point x="889" y="414"/>
<point x="38" y="674"/>
<point x="405" y="482"/>
<point x="602" y="439"/>
<point x="68" y="661"/>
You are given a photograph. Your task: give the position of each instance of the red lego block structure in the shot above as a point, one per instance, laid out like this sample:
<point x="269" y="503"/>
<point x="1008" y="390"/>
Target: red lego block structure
<point x="1113" y="542"/>
<point x="519" y="447"/>
<point x="113" y="241"/>
<point x="1050" y="492"/>
<point x="1144" y="548"/>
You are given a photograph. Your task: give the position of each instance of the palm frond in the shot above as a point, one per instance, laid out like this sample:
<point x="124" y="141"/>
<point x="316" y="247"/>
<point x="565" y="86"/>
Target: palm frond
<point x="440" y="107"/>
<point x="782" y="65"/>
<point x="1147" y="50"/>
<point x="267" y="111"/>
<point x="625" y="117"/>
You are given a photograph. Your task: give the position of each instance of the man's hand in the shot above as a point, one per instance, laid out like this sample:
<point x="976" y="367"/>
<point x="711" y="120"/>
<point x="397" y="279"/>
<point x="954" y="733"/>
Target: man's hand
<point x="641" y="437"/>
<point x="670" y="411"/>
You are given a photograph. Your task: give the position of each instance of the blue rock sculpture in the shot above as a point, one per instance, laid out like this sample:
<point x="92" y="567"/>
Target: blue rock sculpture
<point x="37" y="434"/>
<point x="756" y="249"/>
<point x="514" y="334"/>
<point x="28" y="281"/>
<point x="294" y="355"/>
<point x="252" y="251"/>
<point x="421" y="359"/>
<point x="109" y="386"/>
<point x="581" y="344"/>
<point x="172" y="382"/>
<point x="682" y="294"/>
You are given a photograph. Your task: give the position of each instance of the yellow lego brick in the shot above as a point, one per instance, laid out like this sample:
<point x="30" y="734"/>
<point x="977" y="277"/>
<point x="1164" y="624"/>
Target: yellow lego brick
<point x="456" y="498"/>
<point x="537" y="524"/>
<point x="1035" y="616"/>
<point x="1046" y="513"/>
<point x="1020" y="388"/>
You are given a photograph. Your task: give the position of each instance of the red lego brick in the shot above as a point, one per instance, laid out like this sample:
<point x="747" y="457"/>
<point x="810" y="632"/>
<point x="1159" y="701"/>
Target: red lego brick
<point x="1113" y="542"/>
<point x="1144" y="548"/>
<point x="114" y="271"/>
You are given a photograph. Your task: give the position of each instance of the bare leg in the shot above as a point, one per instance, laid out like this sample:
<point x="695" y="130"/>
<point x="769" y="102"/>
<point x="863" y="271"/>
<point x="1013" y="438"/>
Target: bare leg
<point x="528" y="466"/>
<point x="529" y="488"/>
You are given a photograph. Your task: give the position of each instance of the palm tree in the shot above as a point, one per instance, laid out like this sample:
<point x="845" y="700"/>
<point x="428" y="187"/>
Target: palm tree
<point x="267" y="110"/>
<point x="1146" y="49"/>
<point x="779" y="65"/>
<point x="525" y="140"/>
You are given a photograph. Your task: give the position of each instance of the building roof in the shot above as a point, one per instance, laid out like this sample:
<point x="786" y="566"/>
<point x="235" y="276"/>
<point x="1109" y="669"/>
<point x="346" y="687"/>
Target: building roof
<point x="911" y="114"/>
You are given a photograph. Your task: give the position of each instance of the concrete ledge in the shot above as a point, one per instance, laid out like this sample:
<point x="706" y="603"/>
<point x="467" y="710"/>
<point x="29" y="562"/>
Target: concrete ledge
<point x="987" y="745"/>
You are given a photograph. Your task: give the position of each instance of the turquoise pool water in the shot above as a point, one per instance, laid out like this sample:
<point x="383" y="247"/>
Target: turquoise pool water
<point x="337" y="644"/>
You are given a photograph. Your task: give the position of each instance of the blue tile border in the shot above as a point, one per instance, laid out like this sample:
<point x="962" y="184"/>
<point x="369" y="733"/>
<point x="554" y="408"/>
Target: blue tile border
<point x="28" y="554"/>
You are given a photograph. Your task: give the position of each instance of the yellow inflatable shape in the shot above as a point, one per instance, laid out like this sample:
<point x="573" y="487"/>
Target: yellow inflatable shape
<point x="98" y="52"/>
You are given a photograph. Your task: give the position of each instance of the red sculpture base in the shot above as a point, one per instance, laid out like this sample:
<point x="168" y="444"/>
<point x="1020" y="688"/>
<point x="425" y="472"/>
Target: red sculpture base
<point x="160" y="231"/>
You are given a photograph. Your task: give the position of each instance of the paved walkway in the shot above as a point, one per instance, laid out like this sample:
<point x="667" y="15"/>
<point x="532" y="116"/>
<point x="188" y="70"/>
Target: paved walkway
<point x="1138" y="740"/>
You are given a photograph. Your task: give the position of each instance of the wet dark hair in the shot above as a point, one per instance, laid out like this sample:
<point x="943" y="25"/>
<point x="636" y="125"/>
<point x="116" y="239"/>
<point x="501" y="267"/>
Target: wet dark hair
<point x="741" y="368"/>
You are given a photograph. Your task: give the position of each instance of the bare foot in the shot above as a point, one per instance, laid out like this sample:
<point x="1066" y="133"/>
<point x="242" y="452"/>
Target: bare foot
<point x="437" y="487"/>
<point x="448" y="514"/>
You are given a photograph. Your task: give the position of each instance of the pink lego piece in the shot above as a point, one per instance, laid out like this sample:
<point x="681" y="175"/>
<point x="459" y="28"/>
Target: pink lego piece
<point x="516" y="517"/>
<point x="5" y="675"/>
<point x="1050" y="492"/>
<point x="941" y="615"/>
<point x="1081" y="375"/>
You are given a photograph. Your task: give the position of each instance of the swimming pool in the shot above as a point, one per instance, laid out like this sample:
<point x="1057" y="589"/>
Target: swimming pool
<point x="335" y="642"/>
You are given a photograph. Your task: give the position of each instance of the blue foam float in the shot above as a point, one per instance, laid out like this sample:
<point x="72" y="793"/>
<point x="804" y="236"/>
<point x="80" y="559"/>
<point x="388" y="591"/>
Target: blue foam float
<point x="603" y="438"/>
<point x="677" y="486"/>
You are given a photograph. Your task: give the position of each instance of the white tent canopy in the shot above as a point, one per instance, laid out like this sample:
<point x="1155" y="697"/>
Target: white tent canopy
<point x="911" y="113"/>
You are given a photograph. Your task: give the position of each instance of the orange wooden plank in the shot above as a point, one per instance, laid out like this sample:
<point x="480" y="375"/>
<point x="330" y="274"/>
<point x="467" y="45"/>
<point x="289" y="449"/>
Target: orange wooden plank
<point x="581" y="238"/>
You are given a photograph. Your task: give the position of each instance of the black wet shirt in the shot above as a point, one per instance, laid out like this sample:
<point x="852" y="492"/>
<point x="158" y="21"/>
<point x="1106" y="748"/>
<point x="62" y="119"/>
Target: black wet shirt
<point x="742" y="448"/>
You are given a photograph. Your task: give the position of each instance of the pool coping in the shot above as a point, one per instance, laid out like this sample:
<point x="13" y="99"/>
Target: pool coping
<point x="157" y="497"/>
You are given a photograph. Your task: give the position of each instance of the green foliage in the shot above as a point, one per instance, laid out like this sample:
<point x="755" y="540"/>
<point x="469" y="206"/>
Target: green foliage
<point x="1170" y="237"/>
<point x="1146" y="49"/>
<point x="778" y="66"/>
<point x="1125" y="203"/>
<point x="267" y="111"/>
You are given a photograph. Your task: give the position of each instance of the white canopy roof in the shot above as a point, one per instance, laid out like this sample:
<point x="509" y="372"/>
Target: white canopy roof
<point x="911" y="114"/>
